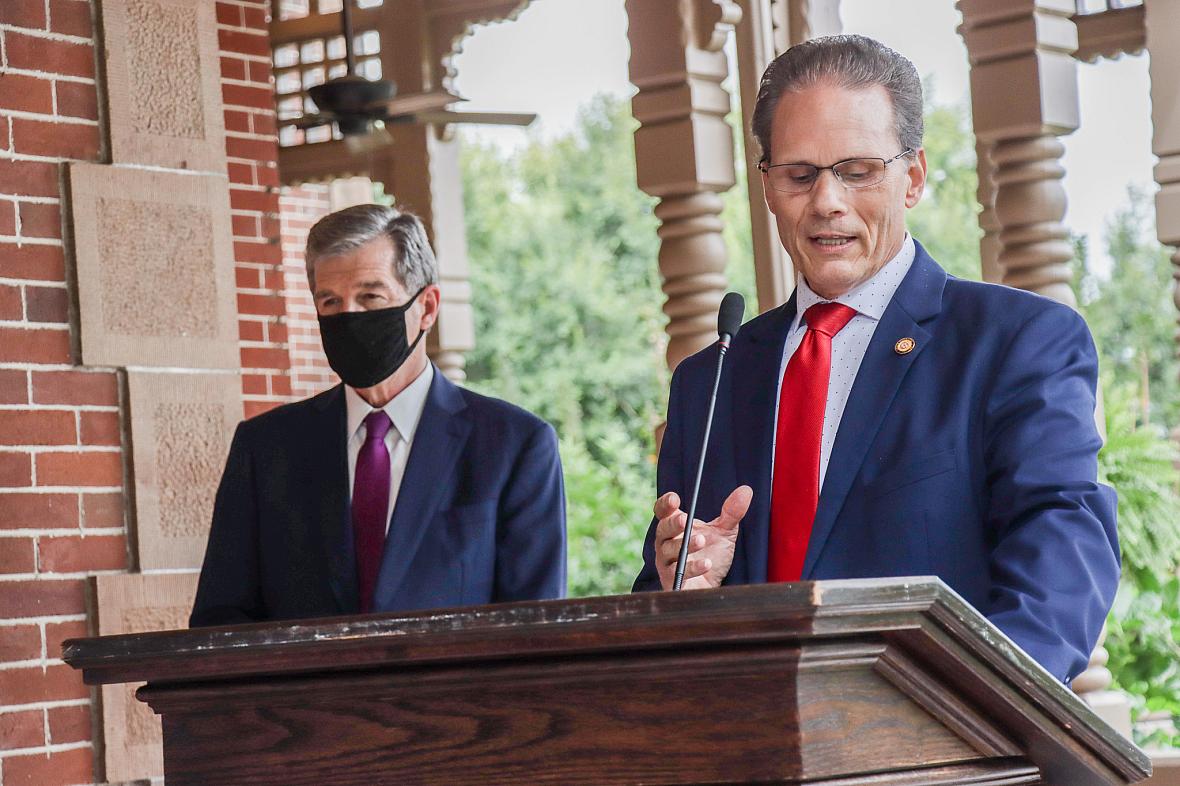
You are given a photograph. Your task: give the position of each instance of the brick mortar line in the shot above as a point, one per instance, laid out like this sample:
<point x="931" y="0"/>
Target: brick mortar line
<point x="57" y="119"/>
<point x="225" y="80"/>
<point x="252" y="138"/>
<point x="61" y="490"/>
<point x="54" y="619"/>
<point x="39" y="200"/>
<point x="50" y="75"/>
<point x="44" y="705"/>
<point x="58" y="407"/>
<point x="33" y="325"/>
<point x="60" y="576"/>
<point x="43" y="241"/>
<point x="33" y="532"/>
<point x="56" y="748"/>
<point x="47" y="34"/>
<point x="23" y="366"/>
<point x="37" y="450"/>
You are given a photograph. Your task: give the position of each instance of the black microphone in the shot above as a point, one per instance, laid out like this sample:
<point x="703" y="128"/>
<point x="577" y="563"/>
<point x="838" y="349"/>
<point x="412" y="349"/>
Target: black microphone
<point x="729" y="319"/>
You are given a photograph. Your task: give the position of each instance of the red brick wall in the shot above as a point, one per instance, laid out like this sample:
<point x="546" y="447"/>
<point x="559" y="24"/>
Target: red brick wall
<point x="61" y="464"/>
<point x="252" y="146"/>
<point x="299" y="208"/>
<point x="62" y="502"/>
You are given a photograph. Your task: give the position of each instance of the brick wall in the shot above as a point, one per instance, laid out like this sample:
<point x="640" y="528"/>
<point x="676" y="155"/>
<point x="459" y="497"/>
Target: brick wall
<point x="300" y="207"/>
<point x="62" y="500"/>
<point x="61" y="464"/>
<point x="252" y="147"/>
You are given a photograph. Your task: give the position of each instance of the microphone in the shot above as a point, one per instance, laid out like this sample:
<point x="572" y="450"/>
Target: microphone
<point x="729" y="319"/>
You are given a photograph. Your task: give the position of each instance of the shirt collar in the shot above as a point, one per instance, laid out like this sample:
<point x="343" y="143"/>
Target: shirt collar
<point x="405" y="410"/>
<point x="869" y="298"/>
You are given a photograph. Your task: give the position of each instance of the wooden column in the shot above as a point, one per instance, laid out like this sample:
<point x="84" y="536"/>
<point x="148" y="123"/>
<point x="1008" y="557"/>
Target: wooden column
<point x="1024" y="95"/>
<point x="684" y="153"/>
<point x="989" y="244"/>
<point x="1162" y="23"/>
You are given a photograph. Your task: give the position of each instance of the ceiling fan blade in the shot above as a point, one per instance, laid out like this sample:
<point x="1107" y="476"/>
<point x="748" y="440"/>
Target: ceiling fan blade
<point x="487" y="118"/>
<point x="419" y="102"/>
<point x="307" y="121"/>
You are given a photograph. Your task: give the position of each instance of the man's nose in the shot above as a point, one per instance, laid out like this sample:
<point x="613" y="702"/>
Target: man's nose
<point x="828" y="194"/>
<point x="351" y="304"/>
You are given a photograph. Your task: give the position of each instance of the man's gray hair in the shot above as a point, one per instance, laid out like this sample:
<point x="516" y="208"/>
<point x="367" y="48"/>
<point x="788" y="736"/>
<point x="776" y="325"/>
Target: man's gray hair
<point x="849" y="61"/>
<point x="414" y="265"/>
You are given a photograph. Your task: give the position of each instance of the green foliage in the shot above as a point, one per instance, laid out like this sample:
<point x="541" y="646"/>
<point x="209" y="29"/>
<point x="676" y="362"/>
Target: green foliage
<point x="1144" y="626"/>
<point x="1143" y="639"/>
<point x="946" y="221"/>
<point x="1131" y="312"/>
<point x="1138" y="463"/>
<point x="567" y="299"/>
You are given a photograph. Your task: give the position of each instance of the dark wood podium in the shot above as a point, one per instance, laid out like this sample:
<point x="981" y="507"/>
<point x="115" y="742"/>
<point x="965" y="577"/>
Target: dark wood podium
<point x="841" y="683"/>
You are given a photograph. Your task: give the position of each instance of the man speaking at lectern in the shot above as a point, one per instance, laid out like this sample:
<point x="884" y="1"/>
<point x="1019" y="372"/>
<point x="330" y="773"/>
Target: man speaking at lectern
<point x="889" y="420"/>
<point x="395" y="490"/>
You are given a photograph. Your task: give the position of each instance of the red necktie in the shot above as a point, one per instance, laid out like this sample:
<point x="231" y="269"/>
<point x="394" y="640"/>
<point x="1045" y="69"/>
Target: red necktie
<point x="801" y="406"/>
<point x="370" y="505"/>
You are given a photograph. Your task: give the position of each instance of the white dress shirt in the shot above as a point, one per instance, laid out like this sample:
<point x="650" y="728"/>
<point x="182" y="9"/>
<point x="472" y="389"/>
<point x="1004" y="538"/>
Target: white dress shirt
<point x="405" y="410"/>
<point x="848" y="346"/>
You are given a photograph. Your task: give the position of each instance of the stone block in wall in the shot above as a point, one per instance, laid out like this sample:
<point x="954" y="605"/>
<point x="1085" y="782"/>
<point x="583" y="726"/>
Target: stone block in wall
<point x="163" y="80"/>
<point x="155" y="268"/>
<point x="137" y="603"/>
<point x="181" y="428"/>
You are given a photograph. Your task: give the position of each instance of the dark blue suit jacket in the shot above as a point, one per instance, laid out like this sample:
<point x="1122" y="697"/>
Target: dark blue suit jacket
<point x="972" y="458"/>
<point x="480" y="514"/>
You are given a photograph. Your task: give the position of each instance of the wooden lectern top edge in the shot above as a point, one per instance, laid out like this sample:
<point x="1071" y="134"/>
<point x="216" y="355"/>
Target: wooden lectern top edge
<point x="783" y="610"/>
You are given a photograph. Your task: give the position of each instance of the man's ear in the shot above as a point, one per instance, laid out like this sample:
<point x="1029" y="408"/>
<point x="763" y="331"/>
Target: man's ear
<point x="429" y="300"/>
<point x="917" y="178"/>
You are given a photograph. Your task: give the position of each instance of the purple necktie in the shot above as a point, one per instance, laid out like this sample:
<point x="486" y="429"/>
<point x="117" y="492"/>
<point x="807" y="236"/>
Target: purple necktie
<point x="370" y="505"/>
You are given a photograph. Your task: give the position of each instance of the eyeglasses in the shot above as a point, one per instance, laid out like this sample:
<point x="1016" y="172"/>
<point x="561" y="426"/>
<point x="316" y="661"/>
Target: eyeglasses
<point x="853" y="173"/>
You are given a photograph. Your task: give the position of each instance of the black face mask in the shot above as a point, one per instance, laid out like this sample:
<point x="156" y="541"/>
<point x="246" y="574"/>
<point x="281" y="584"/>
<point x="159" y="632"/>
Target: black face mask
<point x="365" y="347"/>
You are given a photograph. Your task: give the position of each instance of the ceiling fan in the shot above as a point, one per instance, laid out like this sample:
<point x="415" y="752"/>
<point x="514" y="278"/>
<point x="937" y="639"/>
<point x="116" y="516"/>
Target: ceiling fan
<point x="360" y="108"/>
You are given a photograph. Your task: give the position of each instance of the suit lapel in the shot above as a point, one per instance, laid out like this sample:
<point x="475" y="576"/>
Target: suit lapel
<point x="755" y="371"/>
<point x="442" y="433"/>
<point x="918" y="298"/>
<point x="328" y="442"/>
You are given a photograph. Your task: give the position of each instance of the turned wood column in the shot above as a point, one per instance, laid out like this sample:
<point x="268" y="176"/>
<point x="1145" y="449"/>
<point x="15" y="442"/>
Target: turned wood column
<point x="989" y="244"/>
<point x="1163" y="25"/>
<point x="684" y="153"/>
<point x="1024" y="95"/>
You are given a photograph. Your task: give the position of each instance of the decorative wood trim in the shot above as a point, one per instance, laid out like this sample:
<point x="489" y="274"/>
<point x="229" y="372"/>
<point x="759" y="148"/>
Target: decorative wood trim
<point x="942" y="703"/>
<point x="714" y="21"/>
<point x="1111" y="34"/>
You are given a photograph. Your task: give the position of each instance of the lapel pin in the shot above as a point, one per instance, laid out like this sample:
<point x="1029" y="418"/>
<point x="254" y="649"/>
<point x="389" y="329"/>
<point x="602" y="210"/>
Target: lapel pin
<point x="904" y="346"/>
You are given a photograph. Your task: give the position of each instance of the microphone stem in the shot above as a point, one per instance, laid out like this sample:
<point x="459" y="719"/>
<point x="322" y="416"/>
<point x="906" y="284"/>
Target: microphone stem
<point x="696" y="486"/>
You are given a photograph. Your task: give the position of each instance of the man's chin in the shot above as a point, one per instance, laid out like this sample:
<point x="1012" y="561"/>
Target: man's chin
<point x="836" y="278"/>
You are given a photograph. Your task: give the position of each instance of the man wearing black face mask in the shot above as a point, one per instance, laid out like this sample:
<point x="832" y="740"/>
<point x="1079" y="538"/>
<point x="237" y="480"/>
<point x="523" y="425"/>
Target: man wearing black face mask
<point x="395" y="490"/>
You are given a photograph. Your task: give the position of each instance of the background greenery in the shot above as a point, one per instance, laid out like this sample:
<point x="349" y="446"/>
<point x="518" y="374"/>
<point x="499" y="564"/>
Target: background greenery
<point x="567" y="303"/>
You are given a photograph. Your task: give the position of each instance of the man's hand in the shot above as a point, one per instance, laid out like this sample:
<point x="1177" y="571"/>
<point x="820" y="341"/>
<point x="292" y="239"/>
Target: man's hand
<point x="710" y="553"/>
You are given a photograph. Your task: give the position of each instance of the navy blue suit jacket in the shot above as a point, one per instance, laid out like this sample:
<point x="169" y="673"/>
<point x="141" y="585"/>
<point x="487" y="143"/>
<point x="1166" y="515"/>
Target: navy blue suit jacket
<point x="480" y="515"/>
<point x="972" y="458"/>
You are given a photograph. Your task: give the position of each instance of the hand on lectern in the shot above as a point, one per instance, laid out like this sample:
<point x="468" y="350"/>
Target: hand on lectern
<point x="710" y="553"/>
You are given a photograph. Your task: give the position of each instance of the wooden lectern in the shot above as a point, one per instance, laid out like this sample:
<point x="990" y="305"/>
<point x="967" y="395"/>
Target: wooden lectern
<point x="840" y="683"/>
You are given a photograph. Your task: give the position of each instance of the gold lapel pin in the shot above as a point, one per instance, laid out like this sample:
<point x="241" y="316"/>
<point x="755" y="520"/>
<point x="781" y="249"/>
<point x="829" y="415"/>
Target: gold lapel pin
<point x="904" y="346"/>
